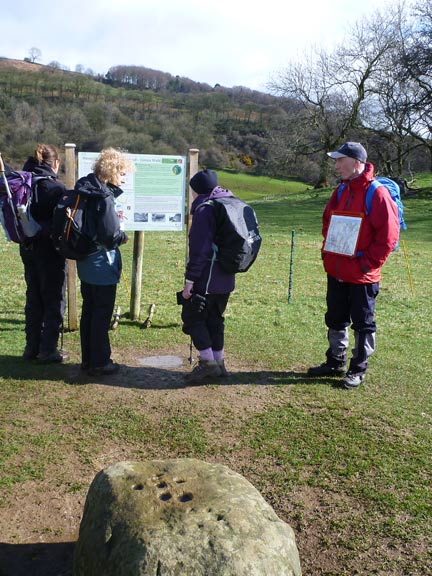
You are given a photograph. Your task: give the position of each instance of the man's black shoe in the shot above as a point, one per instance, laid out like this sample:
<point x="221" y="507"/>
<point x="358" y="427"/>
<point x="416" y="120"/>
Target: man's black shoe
<point x="107" y="370"/>
<point x="29" y="354"/>
<point x="54" y="357"/>
<point x="326" y="370"/>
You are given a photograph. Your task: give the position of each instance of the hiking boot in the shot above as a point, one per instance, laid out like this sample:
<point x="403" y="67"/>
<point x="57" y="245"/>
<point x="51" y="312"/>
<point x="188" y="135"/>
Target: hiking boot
<point x="223" y="371"/>
<point x="325" y="369"/>
<point x="53" y="357"/>
<point x="352" y="380"/>
<point x="107" y="370"/>
<point x="204" y="371"/>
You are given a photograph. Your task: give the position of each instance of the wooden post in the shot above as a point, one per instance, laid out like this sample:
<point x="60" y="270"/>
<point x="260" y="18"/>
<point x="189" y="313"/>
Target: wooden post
<point x="137" y="262"/>
<point x="193" y="169"/>
<point x="70" y="179"/>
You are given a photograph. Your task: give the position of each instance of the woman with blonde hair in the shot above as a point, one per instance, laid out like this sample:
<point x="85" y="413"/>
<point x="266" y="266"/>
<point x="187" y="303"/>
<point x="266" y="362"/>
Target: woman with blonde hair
<point x="44" y="268"/>
<point x="100" y="271"/>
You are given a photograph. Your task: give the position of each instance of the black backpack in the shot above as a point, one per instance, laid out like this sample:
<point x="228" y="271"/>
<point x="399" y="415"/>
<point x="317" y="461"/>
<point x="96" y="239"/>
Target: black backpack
<point x="73" y="229"/>
<point x="237" y="240"/>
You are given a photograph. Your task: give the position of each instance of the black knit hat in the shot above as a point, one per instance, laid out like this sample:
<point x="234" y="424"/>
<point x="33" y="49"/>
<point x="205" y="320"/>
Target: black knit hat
<point x="203" y="182"/>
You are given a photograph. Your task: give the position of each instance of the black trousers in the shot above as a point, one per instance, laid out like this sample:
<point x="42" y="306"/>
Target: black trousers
<point x="350" y="303"/>
<point x="206" y="328"/>
<point x="97" y="309"/>
<point x="45" y="276"/>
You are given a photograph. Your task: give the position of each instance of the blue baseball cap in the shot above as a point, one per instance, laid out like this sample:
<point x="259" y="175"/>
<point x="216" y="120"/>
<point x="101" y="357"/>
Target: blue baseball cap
<point x="350" y="150"/>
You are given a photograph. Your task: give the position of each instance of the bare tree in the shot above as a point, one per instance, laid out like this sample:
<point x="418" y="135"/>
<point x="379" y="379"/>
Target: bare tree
<point x="332" y="86"/>
<point x="34" y="54"/>
<point x="398" y="108"/>
<point x="416" y="70"/>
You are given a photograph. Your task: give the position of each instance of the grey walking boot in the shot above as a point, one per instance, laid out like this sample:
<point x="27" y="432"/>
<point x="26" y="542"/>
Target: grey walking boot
<point x="205" y="371"/>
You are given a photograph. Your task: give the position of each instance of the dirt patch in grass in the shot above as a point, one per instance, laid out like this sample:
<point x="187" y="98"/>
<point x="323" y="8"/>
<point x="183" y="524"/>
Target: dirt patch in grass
<point x="148" y="413"/>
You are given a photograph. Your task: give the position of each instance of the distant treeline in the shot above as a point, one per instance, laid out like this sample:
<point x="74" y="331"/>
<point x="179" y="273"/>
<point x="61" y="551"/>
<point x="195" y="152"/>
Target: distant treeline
<point x="142" y="111"/>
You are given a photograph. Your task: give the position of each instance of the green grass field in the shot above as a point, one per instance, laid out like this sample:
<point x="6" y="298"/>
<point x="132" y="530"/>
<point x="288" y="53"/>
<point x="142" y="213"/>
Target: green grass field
<point x="350" y="471"/>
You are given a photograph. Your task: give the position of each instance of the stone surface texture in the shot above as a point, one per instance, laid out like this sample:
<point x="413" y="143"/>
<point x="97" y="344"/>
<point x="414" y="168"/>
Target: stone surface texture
<point x="180" y="517"/>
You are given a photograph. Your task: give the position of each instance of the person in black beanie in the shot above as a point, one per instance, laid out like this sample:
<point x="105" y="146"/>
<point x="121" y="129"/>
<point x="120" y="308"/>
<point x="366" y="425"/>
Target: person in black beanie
<point x="207" y="287"/>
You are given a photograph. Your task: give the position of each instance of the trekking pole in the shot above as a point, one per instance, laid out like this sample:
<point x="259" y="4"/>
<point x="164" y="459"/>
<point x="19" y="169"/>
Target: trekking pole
<point x="290" y="285"/>
<point x="191" y="358"/>
<point x="62" y="337"/>
<point x="2" y="169"/>
<point x="148" y="321"/>
<point x="408" y="267"/>
<point x="125" y="283"/>
<point x="8" y="194"/>
<point x="116" y="319"/>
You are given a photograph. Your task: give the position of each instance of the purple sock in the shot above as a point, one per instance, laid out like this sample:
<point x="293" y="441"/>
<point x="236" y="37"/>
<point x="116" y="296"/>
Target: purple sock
<point x="206" y="354"/>
<point x="218" y="355"/>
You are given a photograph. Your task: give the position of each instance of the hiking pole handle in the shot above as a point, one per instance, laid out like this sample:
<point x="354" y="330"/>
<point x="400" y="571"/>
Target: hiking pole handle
<point x="8" y="192"/>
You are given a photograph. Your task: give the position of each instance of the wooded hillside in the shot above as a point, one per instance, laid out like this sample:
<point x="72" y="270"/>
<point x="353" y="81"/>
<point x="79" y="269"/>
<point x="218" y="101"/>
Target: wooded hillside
<point x="38" y="103"/>
<point x="372" y="88"/>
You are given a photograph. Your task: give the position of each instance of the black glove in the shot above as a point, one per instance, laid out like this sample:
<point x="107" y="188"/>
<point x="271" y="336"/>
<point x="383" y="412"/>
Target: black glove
<point x="197" y="302"/>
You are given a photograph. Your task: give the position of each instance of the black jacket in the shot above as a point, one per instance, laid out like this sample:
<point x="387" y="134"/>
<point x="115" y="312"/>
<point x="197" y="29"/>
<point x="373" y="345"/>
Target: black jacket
<point x="105" y="222"/>
<point x="46" y="193"/>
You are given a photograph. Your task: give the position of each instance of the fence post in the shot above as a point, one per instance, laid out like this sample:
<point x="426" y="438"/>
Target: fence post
<point x="137" y="261"/>
<point x="291" y="267"/>
<point x="70" y="178"/>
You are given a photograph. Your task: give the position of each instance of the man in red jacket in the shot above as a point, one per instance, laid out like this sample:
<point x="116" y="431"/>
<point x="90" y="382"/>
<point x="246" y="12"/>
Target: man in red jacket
<point x="355" y="247"/>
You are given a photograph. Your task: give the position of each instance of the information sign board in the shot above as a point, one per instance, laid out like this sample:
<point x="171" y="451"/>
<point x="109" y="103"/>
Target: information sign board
<point x="154" y="195"/>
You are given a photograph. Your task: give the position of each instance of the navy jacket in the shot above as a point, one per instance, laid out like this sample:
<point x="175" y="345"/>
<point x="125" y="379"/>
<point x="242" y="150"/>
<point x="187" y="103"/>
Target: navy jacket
<point x="208" y="276"/>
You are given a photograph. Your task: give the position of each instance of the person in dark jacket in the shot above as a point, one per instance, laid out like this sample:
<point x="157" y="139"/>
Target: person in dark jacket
<point x="44" y="268"/>
<point x="353" y="280"/>
<point x="207" y="287"/>
<point x="100" y="271"/>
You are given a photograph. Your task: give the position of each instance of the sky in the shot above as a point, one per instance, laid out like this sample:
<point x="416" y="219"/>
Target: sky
<point x="227" y="42"/>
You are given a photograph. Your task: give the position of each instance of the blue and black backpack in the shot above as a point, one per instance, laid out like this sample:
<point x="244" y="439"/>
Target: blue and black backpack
<point x="394" y="191"/>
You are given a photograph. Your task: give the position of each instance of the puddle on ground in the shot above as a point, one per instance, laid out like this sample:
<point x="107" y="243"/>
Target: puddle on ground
<point x="161" y="361"/>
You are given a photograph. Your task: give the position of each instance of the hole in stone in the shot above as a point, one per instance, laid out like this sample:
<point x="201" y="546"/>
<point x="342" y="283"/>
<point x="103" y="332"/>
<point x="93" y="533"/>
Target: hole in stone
<point x="179" y="481"/>
<point x="138" y="486"/>
<point x="201" y="526"/>
<point x="165" y="496"/>
<point x="220" y="517"/>
<point x="186" y="497"/>
<point x="162" y="485"/>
